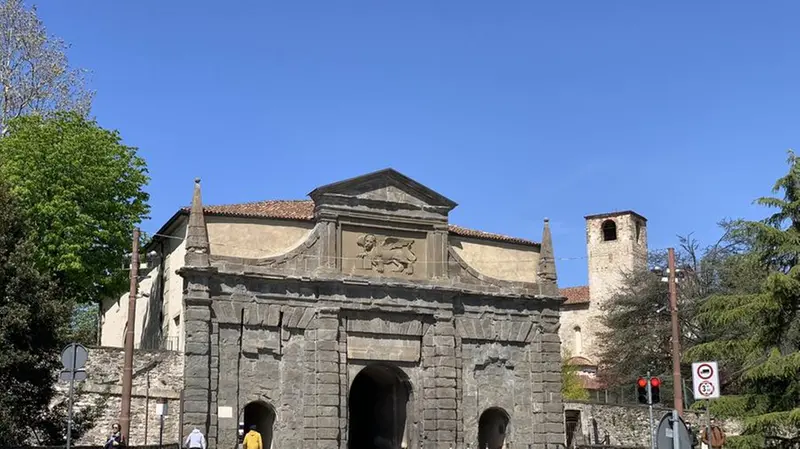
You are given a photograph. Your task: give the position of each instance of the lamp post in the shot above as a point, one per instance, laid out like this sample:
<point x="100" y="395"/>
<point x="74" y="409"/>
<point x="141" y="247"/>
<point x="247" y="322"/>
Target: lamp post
<point x="161" y="411"/>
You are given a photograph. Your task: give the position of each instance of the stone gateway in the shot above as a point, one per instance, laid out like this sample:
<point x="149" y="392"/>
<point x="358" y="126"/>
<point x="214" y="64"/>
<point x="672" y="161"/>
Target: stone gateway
<point x="372" y="333"/>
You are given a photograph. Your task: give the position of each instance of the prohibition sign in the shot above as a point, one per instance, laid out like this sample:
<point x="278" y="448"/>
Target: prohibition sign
<point x="706" y="388"/>
<point x="705" y="371"/>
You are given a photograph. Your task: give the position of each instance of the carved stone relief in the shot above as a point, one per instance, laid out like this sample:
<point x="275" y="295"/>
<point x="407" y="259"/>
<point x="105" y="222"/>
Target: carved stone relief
<point x="378" y="252"/>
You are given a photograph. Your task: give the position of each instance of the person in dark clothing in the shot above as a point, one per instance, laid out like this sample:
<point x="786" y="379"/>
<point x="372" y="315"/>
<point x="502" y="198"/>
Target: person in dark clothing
<point x="115" y="440"/>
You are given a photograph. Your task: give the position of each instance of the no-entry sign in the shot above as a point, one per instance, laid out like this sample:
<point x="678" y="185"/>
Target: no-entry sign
<point x="705" y="380"/>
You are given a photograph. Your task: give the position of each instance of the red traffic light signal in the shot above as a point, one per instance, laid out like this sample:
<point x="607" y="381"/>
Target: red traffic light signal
<point x="642" y="382"/>
<point x="655" y="382"/>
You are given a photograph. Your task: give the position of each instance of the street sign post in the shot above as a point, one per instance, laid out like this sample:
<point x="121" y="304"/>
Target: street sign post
<point x="74" y="358"/>
<point x="670" y="425"/>
<point x="705" y="382"/>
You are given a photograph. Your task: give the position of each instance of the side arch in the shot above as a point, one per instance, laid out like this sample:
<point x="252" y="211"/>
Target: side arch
<point x="493" y="428"/>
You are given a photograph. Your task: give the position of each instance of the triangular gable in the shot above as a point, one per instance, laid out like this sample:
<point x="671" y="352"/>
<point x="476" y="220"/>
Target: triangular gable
<point x="387" y="185"/>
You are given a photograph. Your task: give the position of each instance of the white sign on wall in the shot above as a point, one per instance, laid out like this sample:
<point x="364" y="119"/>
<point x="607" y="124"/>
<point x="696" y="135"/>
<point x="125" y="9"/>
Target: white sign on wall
<point x="705" y="380"/>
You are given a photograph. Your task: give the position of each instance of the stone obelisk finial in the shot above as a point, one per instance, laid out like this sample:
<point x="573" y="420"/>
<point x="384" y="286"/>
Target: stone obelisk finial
<point x="547" y="263"/>
<point x="197" y="247"/>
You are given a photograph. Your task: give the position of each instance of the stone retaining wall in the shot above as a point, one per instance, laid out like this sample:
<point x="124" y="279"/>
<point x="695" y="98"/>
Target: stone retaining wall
<point x="156" y="375"/>
<point x="627" y="425"/>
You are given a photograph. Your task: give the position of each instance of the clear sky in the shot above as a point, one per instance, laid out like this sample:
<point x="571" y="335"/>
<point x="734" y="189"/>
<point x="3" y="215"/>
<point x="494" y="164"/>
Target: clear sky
<point x="517" y="110"/>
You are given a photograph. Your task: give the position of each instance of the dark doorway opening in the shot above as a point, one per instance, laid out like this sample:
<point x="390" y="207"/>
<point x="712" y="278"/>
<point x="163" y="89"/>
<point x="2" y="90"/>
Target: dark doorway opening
<point x="262" y="415"/>
<point x="377" y="408"/>
<point x="493" y="428"/>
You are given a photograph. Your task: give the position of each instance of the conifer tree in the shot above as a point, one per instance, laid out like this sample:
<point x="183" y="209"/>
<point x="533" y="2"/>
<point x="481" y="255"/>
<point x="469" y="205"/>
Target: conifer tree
<point x="757" y="335"/>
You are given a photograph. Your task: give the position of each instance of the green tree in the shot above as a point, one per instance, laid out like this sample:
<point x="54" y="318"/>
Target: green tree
<point x="757" y="339"/>
<point x="32" y="326"/>
<point x="571" y="385"/>
<point x="81" y="190"/>
<point x="637" y="316"/>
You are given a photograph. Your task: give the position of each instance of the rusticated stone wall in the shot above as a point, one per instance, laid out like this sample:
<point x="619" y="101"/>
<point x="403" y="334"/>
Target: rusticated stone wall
<point x="156" y="375"/>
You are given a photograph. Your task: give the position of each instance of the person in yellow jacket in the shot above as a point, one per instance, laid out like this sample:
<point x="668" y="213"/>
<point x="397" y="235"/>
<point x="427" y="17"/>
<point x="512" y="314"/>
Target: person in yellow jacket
<point x="253" y="439"/>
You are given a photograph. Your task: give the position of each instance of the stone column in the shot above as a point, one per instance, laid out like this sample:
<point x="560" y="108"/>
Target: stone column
<point x="197" y="387"/>
<point x="439" y="416"/>
<point x="324" y="401"/>
<point x="546" y="383"/>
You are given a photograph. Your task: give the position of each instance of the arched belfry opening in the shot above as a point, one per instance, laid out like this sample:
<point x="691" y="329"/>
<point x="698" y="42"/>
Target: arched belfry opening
<point x="493" y="428"/>
<point x="609" y="230"/>
<point x="378" y="408"/>
<point x="261" y="415"/>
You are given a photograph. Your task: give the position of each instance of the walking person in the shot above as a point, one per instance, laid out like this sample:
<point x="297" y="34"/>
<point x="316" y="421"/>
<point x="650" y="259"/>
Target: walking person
<point x="195" y="440"/>
<point x="253" y="439"/>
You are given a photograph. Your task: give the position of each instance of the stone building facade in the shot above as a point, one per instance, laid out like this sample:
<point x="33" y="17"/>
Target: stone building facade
<point x="372" y="331"/>
<point x="285" y="313"/>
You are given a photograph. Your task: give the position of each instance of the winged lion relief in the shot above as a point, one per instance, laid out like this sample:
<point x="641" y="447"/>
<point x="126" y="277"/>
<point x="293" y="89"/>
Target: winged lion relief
<point x="378" y="252"/>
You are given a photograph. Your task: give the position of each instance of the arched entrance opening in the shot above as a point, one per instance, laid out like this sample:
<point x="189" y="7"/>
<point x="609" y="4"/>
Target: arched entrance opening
<point x="378" y="408"/>
<point x="493" y="428"/>
<point x="261" y="415"/>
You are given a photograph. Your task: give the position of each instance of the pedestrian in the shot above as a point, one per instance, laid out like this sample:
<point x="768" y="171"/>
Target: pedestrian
<point x="253" y="439"/>
<point x="115" y="439"/>
<point x="717" y="436"/>
<point x="195" y="440"/>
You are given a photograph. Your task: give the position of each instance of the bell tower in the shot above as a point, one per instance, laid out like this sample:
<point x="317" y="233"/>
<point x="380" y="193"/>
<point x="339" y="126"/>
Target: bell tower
<point x="616" y="243"/>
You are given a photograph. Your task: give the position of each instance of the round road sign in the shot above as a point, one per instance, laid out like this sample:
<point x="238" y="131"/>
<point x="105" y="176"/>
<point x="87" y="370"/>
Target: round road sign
<point x="706" y="388"/>
<point x="705" y="371"/>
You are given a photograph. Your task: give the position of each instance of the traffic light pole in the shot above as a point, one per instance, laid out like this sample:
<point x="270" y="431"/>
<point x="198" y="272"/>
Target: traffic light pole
<point x="650" y="406"/>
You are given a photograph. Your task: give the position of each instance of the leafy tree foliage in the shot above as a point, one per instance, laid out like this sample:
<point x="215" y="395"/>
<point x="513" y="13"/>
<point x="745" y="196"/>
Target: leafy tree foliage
<point x="571" y="386"/>
<point x="81" y="190"/>
<point x="32" y="325"/>
<point x="758" y="333"/>
<point x="34" y="72"/>
<point x="637" y="317"/>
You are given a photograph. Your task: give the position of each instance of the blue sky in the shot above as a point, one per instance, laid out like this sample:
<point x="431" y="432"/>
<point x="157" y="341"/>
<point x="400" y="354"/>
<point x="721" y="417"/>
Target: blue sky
<point x="517" y="110"/>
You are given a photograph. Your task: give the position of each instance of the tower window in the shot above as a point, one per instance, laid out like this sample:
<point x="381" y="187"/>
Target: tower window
<point x="609" y="230"/>
<point x="638" y="231"/>
<point x="578" y="340"/>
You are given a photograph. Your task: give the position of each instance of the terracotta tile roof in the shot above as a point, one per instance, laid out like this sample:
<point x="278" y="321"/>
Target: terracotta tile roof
<point x="576" y="295"/>
<point x="303" y="210"/>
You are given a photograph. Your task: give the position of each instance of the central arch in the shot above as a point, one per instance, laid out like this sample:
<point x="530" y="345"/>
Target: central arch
<point x="378" y="408"/>
<point x="261" y="415"/>
<point x="493" y="428"/>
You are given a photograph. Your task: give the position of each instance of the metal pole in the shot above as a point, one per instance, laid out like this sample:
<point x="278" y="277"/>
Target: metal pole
<point x="708" y="423"/>
<point x="676" y="441"/>
<point x="71" y="394"/>
<point x="676" y="336"/>
<point x="161" y="431"/>
<point x="127" y="372"/>
<point x="650" y="406"/>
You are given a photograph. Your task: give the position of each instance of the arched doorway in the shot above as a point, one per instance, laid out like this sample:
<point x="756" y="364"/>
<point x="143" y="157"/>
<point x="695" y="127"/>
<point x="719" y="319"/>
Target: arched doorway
<point x="493" y="428"/>
<point x="261" y="415"/>
<point x="377" y="408"/>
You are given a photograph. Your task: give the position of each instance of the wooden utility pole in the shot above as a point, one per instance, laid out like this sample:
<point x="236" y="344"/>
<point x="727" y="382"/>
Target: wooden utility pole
<point x="676" y="336"/>
<point x="127" y="372"/>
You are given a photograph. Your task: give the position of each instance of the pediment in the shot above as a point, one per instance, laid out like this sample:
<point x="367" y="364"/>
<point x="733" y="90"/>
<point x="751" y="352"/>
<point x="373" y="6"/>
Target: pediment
<point x="384" y="186"/>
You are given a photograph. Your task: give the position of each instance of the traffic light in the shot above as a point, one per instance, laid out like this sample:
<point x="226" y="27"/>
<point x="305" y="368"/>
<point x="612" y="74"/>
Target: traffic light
<point x="641" y="388"/>
<point x="655" y="390"/>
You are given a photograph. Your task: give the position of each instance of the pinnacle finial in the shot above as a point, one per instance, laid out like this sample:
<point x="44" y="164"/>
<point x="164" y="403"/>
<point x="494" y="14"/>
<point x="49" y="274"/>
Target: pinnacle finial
<point x="547" y="263"/>
<point x="197" y="247"/>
